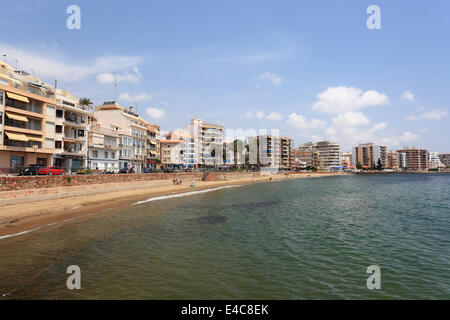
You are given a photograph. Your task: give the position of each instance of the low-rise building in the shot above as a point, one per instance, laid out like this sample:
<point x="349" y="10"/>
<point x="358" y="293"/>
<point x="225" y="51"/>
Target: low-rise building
<point x="435" y="162"/>
<point x="103" y="149"/>
<point x="444" y="158"/>
<point x="346" y="159"/>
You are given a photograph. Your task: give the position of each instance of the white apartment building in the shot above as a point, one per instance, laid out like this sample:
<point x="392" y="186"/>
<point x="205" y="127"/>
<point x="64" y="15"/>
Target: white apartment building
<point x="133" y="133"/>
<point x="435" y="161"/>
<point x="69" y="127"/>
<point x="206" y="137"/>
<point x="103" y="149"/>
<point x="269" y="151"/>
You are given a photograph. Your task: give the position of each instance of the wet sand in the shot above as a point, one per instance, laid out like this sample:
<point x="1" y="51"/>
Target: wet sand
<point x="36" y="214"/>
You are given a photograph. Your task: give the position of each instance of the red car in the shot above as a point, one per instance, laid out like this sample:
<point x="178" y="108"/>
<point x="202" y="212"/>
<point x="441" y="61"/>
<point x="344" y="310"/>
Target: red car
<point x="51" y="171"/>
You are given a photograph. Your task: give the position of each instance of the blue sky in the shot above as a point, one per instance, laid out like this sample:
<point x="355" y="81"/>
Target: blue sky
<point x="311" y="69"/>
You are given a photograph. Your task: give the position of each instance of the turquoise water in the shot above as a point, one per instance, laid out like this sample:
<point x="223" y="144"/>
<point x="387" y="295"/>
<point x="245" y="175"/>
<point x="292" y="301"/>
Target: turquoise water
<point x="296" y="239"/>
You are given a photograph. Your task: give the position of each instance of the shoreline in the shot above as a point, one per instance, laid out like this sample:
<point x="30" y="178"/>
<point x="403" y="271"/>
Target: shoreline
<point x="18" y="219"/>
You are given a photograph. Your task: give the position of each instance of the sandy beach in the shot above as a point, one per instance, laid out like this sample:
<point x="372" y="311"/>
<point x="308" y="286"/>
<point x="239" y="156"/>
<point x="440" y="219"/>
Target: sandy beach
<point x="35" y="214"/>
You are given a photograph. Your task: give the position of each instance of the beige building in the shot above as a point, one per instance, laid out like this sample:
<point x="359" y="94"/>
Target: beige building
<point x="207" y="136"/>
<point x="286" y="153"/>
<point x="368" y="155"/>
<point x="134" y="135"/>
<point x="306" y="156"/>
<point x="416" y="159"/>
<point x="324" y="155"/>
<point x="27" y="117"/>
<point x="346" y="160"/>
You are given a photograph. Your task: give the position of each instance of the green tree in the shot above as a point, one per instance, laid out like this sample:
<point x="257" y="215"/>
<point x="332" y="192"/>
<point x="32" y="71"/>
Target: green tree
<point x="379" y="165"/>
<point x="359" y="166"/>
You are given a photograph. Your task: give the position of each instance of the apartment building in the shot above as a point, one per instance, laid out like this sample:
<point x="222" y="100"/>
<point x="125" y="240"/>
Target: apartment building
<point x="444" y="158"/>
<point x="306" y="156"/>
<point x="206" y="137"/>
<point x="70" y="132"/>
<point x="133" y="134"/>
<point x="171" y="152"/>
<point x="415" y="159"/>
<point x="435" y="162"/>
<point x="153" y="145"/>
<point x="346" y="159"/>
<point x="103" y="153"/>
<point x="286" y="153"/>
<point x="269" y="150"/>
<point x="27" y="116"/>
<point x="368" y="155"/>
<point x="393" y="160"/>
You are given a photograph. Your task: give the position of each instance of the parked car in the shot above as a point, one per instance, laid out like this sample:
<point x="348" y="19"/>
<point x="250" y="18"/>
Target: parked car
<point x="51" y="171"/>
<point x="30" y="170"/>
<point x="123" y="170"/>
<point x="82" y="170"/>
<point x="168" y="170"/>
<point x="148" y="170"/>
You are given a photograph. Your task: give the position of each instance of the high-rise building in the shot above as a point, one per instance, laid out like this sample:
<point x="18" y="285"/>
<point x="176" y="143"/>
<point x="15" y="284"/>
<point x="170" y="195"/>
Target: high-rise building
<point x="268" y="151"/>
<point x="286" y="153"/>
<point x="368" y="154"/>
<point x="27" y="119"/>
<point x="415" y="159"/>
<point x="306" y="156"/>
<point x="207" y="137"/>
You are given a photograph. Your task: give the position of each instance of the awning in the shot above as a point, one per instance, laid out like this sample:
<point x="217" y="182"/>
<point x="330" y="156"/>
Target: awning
<point x="153" y="142"/>
<point x="17" y="97"/>
<point x="17" y="136"/>
<point x="16" y="117"/>
<point x="153" y="152"/>
<point x="31" y="138"/>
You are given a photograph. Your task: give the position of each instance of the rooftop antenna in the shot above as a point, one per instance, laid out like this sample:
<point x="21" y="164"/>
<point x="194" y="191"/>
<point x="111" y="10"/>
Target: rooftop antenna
<point x="56" y="83"/>
<point x="4" y="58"/>
<point x="17" y="64"/>
<point x="115" y="88"/>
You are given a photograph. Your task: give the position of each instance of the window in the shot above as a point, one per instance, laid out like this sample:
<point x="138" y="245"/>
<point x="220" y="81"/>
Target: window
<point x="16" y="161"/>
<point x="80" y="147"/>
<point x="49" y="143"/>
<point x="2" y="94"/>
<point x="50" y="111"/>
<point x="49" y="128"/>
<point x="59" y="113"/>
<point x="1" y="117"/>
<point x="113" y="155"/>
<point x="58" y="144"/>
<point x="106" y="154"/>
<point x="95" y="154"/>
<point x="58" y="129"/>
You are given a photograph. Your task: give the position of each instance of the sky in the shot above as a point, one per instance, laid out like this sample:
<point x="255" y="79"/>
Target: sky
<point x="311" y="69"/>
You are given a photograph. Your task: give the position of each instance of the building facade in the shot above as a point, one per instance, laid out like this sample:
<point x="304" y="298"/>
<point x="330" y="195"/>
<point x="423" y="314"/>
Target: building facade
<point x="368" y="154"/>
<point x="103" y="152"/>
<point x="444" y="158"/>
<point x="27" y="117"/>
<point x="415" y="159"/>
<point x="286" y="153"/>
<point x="70" y="133"/>
<point x="207" y="137"/>
<point x="306" y="156"/>
<point x="346" y="160"/>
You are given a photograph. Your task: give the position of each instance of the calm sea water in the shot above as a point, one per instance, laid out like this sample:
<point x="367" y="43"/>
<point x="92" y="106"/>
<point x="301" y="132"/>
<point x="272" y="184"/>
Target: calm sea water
<point x="296" y="239"/>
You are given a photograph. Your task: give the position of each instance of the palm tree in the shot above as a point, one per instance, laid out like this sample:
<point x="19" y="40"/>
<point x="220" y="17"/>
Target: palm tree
<point x="85" y="101"/>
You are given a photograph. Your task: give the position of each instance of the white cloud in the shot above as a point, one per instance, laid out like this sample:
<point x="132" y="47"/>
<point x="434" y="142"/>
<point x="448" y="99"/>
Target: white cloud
<point x="342" y="99"/>
<point x="49" y="63"/>
<point x="260" y="114"/>
<point x="350" y="119"/>
<point x="299" y="121"/>
<point x="108" y="77"/>
<point x="248" y="115"/>
<point x="378" y="127"/>
<point x="435" y="114"/>
<point x="272" y="77"/>
<point x="140" y="97"/>
<point x="155" y="113"/>
<point x="408" y="136"/>
<point x="408" y="95"/>
<point x="274" y="116"/>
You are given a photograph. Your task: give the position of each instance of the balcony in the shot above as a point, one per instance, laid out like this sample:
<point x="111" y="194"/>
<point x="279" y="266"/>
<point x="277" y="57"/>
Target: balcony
<point x="30" y="107"/>
<point x="23" y="144"/>
<point x="23" y="125"/>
